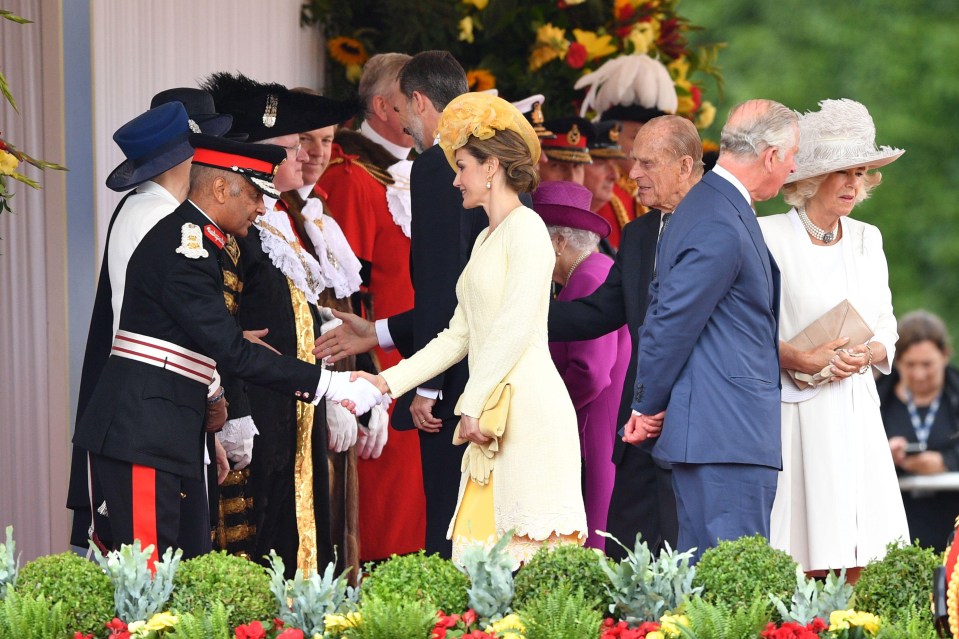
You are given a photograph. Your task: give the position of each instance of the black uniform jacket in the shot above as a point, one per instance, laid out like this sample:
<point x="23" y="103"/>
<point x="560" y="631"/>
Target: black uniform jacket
<point x="152" y="416"/>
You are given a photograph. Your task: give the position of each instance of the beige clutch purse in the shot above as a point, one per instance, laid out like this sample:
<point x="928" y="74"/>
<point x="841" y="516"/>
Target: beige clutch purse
<point x="492" y="422"/>
<point x="841" y="321"/>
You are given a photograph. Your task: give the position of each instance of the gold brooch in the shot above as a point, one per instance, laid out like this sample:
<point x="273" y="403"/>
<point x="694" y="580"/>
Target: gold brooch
<point x="573" y="136"/>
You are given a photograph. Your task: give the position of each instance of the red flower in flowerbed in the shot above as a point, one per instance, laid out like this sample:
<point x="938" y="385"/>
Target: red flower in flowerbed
<point x="118" y="629"/>
<point x="620" y="629"/>
<point x="576" y="55"/>
<point x="793" y="630"/>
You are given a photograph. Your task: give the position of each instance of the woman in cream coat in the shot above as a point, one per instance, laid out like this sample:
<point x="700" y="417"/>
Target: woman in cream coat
<point x="837" y="503"/>
<point x="527" y="480"/>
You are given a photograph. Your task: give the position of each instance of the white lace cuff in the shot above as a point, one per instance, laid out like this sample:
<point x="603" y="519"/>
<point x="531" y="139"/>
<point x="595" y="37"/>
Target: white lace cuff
<point x="237" y="440"/>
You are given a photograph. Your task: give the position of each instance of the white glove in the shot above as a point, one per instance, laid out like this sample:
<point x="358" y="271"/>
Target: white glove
<point x="341" y="424"/>
<point x="361" y="392"/>
<point x="370" y="441"/>
<point x="237" y="440"/>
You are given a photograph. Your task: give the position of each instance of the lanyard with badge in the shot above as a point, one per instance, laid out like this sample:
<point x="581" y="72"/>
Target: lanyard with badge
<point x="922" y="426"/>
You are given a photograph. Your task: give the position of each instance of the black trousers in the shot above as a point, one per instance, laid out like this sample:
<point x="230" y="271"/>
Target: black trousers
<point x="441" y="481"/>
<point x="643" y="501"/>
<point x="155" y="507"/>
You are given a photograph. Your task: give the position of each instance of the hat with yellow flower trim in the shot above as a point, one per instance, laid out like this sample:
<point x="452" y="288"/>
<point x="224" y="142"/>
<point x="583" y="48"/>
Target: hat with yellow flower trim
<point x="481" y="115"/>
<point x="569" y="145"/>
<point x="264" y="111"/>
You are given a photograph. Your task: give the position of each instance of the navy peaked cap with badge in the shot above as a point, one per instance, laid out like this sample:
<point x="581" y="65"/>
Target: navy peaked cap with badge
<point x="602" y="139"/>
<point x="199" y="108"/>
<point x="265" y="111"/>
<point x="256" y="162"/>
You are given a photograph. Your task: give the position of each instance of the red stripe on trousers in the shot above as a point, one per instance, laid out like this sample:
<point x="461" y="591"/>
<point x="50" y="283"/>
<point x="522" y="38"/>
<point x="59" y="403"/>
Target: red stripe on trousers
<point x="144" y="481"/>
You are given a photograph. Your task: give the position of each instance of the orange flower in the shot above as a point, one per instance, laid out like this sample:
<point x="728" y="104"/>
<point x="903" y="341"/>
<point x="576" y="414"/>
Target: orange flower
<point x="480" y="79"/>
<point x="347" y="51"/>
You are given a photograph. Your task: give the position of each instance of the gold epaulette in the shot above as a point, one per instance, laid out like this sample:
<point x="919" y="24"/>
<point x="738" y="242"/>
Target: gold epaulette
<point x="622" y="215"/>
<point x="380" y="175"/>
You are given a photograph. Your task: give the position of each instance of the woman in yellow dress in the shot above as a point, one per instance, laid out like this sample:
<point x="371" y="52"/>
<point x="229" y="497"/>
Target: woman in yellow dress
<point x="527" y="480"/>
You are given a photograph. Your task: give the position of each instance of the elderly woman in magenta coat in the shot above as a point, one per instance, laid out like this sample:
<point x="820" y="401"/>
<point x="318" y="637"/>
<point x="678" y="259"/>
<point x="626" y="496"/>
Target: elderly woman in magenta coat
<point x="592" y="369"/>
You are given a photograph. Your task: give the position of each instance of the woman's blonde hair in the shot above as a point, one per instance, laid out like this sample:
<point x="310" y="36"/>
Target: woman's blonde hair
<point x="799" y="193"/>
<point x="513" y="155"/>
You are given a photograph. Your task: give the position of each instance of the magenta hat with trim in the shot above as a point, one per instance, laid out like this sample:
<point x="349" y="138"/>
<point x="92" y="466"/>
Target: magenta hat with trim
<point x="567" y="204"/>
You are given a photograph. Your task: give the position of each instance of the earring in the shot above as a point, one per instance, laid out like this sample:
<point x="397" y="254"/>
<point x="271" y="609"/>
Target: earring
<point x="489" y="182"/>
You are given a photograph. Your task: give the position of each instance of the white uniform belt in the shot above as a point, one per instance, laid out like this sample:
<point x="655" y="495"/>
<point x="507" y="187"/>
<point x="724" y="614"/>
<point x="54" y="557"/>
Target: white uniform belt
<point x="163" y="354"/>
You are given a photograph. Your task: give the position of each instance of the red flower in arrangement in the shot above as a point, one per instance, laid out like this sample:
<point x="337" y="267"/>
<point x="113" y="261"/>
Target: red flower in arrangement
<point x="697" y="96"/>
<point x="290" y="633"/>
<point x="671" y="41"/>
<point x="117" y="628"/>
<point x="252" y="630"/>
<point x="576" y="55"/>
<point x="621" y="630"/>
<point x="626" y="12"/>
<point x="469" y="617"/>
<point x="793" y="630"/>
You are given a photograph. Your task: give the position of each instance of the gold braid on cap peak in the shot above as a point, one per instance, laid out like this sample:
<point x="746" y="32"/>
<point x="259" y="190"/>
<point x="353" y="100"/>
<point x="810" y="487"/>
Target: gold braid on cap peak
<point x="481" y="115"/>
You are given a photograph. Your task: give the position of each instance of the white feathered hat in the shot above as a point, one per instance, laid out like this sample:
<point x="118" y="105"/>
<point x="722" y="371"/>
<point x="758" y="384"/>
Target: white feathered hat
<point x="839" y="136"/>
<point x="629" y="80"/>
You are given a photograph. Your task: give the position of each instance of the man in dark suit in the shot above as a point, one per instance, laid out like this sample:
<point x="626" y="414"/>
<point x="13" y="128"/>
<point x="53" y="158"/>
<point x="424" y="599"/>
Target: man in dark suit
<point x="667" y="163"/>
<point x="144" y="423"/>
<point x="708" y="351"/>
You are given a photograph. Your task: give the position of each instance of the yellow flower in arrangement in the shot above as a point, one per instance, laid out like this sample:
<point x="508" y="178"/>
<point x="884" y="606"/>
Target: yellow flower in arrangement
<point x="551" y="43"/>
<point x="480" y="80"/>
<point x="705" y="117"/>
<point x="479" y="4"/>
<point x="570" y="3"/>
<point x="669" y="625"/>
<point x="8" y="163"/>
<point x="354" y="72"/>
<point x="466" y="29"/>
<point x="844" y="619"/>
<point x="347" y="51"/>
<point x="643" y="36"/>
<point x="597" y="46"/>
<point x="679" y="68"/>
<point x="340" y="623"/>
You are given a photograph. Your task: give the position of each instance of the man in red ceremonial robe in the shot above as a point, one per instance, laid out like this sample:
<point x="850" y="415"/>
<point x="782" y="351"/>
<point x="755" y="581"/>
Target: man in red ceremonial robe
<point x="367" y="187"/>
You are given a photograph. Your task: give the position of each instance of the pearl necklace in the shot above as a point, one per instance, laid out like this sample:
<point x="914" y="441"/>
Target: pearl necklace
<point x="818" y="233"/>
<point x="576" y="262"/>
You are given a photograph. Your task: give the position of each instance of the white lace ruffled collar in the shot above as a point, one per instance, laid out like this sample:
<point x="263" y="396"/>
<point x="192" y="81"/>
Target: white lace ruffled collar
<point x="338" y="265"/>
<point x="280" y="244"/>
<point x="398" y="195"/>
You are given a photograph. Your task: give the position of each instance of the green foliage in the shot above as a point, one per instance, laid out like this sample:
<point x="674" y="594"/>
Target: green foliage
<point x="212" y="624"/>
<point x="138" y="593"/>
<point x="419" y="576"/>
<point x="9" y="563"/>
<point x="717" y="621"/>
<point x="304" y="602"/>
<point x="393" y="619"/>
<point x="735" y="573"/>
<point x="82" y="590"/>
<point x="566" y="563"/>
<point x="813" y="598"/>
<point x="900" y="582"/>
<point x="240" y="584"/>
<point x="491" y="579"/>
<point x="561" y="613"/>
<point x="643" y="588"/>
<point x="28" y="617"/>
<point x="912" y="624"/>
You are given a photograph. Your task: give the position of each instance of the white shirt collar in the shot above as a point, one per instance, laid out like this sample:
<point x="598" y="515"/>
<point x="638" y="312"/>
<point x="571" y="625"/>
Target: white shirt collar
<point x="397" y="151"/>
<point x="204" y="213"/>
<point x="155" y="189"/>
<point x="305" y="190"/>
<point x="732" y="179"/>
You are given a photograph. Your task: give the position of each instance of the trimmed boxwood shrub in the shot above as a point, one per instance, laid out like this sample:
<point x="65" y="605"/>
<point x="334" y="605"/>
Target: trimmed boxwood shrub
<point x="83" y="590"/>
<point x="240" y="584"/>
<point x="418" y="576"/>
<point x="901" y="582"/>
<point x="570" y="564"/>
<point x="734" y="573"/>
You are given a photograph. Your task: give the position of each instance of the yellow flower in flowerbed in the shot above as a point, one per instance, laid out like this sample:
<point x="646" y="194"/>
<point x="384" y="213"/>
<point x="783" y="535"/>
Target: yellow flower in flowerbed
<point x="479" y="4"/>
<point x="597" y="46"/>
<point x="337" y="624"/>
<point x="509" y="627"/>
<point x="845" y="619"/>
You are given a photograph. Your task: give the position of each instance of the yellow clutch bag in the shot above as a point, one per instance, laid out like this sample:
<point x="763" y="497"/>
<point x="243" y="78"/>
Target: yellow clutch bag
<point x="492" y="422"/>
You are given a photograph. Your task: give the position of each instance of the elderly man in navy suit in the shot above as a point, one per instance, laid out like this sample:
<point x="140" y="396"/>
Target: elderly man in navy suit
<point x="708" y="349"/>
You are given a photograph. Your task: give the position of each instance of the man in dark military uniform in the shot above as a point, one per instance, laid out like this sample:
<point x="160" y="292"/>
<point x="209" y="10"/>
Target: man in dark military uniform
<point x="144" y="423"/>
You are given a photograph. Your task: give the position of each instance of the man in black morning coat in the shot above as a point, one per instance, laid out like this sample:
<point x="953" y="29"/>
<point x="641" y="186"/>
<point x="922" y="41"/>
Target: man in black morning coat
<point x="144" y="423"/>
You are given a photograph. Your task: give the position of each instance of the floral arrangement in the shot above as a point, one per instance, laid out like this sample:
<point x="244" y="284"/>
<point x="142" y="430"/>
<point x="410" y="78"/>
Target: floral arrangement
<point x="11" y="156"/>
<point x="467" y="625"/>
<point x="521" y="48"/>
